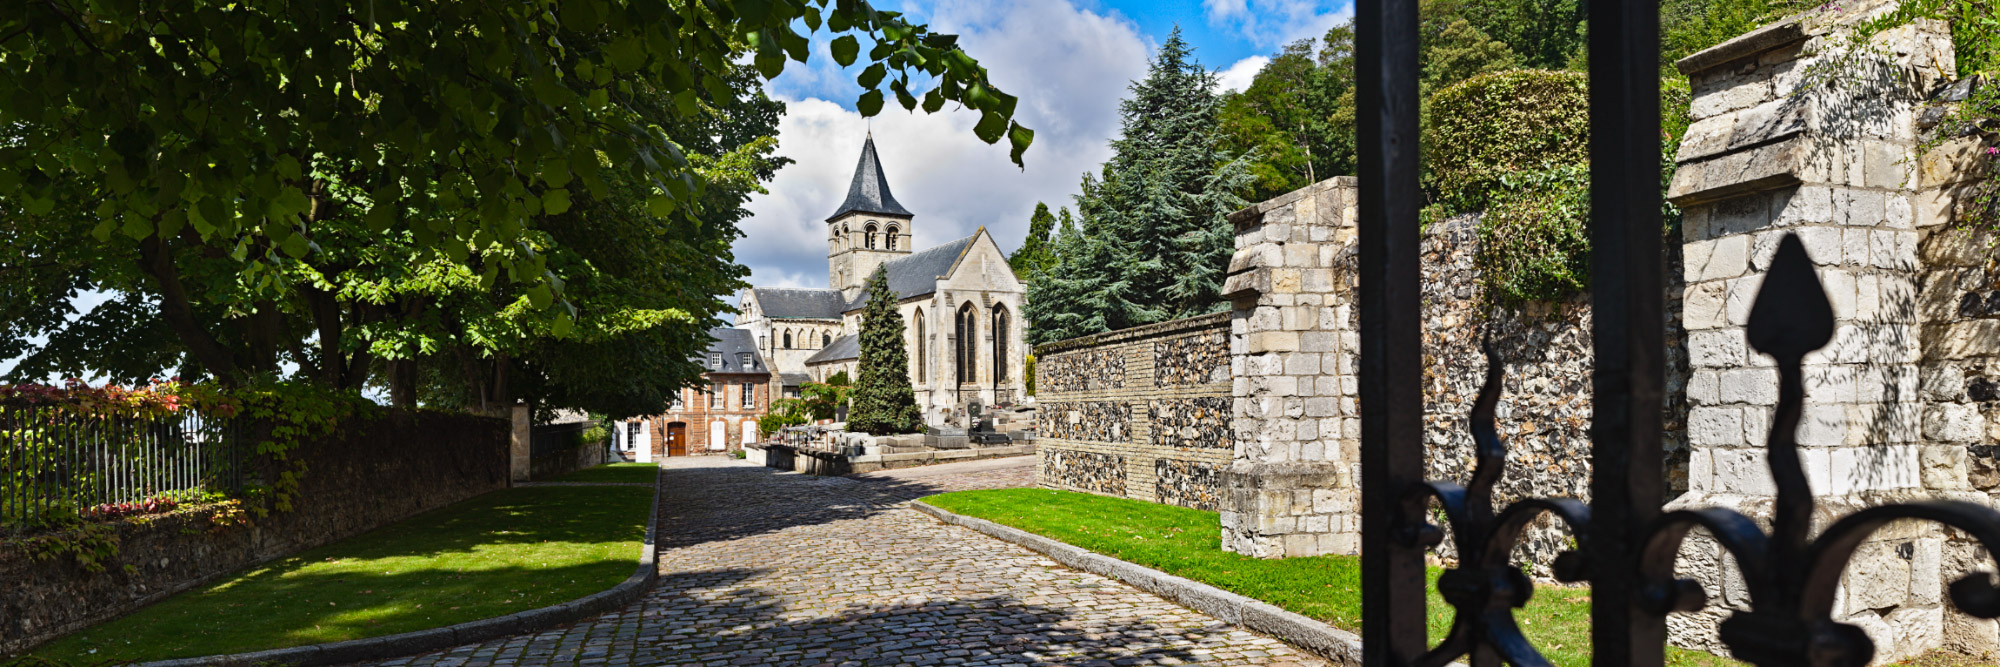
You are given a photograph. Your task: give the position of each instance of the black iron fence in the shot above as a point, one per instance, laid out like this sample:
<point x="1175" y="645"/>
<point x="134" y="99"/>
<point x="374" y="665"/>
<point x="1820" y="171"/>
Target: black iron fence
<point x="1626" y="546"/>
<point x="58" y="462"/>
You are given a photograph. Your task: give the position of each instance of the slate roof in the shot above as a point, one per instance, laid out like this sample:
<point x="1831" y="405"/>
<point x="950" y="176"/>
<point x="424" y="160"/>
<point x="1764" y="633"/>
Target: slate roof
<point x="794" y="379"/>
<point x="869" y="193"/>
<point x="916" y="274"/>
<point x="843" y="348"/>
<point x="732" y="342"/>
<point x="799" y="303"/>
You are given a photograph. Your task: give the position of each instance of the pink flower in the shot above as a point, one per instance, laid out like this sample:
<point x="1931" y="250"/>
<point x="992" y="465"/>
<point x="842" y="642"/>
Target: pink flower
<point x="1992" y="150"/>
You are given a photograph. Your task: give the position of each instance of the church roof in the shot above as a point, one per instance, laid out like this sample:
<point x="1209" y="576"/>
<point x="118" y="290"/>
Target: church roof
<point x="799" y="303"/>
<point x="794" y="379"/>
<point x="732" y="342"/>
<point x="916" y="274"/>
<point x="843" y="348"/>
<point x="869" y="193"/>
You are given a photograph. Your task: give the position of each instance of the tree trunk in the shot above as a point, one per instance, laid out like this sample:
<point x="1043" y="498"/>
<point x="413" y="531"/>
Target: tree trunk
<point x="158" y="261"/>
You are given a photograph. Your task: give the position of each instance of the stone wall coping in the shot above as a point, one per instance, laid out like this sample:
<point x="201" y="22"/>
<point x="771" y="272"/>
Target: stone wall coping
<point x="1252" y="214"/>
<point x="1197" y="323"/>
<point x="470" y="632"/>
<point x="1770" y="37"/>
<point x="1340" y="646"/>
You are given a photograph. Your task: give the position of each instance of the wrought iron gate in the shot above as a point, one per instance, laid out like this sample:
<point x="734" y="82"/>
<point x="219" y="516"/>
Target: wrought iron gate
<point x="1626" y="546"/>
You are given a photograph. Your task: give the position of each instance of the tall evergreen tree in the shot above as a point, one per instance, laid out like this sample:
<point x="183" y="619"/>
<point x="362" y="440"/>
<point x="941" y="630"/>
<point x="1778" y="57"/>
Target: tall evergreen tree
<point x="1037" y="252"/>
<point x="884" y="402"/>
<point x="1152" y="241"/>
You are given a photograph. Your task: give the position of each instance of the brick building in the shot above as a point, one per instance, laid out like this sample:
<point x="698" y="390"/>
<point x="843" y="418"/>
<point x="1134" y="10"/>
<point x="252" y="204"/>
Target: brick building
<point x="714" y="420"/>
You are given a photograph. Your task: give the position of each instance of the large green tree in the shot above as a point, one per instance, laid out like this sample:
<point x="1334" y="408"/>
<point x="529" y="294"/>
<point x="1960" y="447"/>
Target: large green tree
<point x="1296" y="115"/>
<point x="367" y="184"/>
<point x="884" y="401"/>
<point x="1152" y="241"/>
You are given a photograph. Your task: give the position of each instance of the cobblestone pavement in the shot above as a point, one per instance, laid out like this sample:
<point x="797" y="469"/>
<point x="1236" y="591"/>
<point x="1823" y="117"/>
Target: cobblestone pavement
<point x="765" y="568"/>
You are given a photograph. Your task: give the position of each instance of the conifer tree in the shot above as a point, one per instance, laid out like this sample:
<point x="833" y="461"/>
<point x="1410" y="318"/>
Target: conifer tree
<point x="884" y="402"/>
<point x="1152" y="241"/>
<point x="1037" y="254"/>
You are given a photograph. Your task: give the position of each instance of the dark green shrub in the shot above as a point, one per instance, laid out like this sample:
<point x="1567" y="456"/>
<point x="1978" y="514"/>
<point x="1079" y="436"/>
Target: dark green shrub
<point x="1534" y="243"/>
<point x="1486" y="127"/>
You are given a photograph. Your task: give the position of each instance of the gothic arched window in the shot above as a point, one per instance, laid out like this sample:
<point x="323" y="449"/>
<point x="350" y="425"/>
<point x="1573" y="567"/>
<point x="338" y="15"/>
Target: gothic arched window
<point x="893" y="233"/>
<point x="967" y="354"/>
<point x="999" y="343"/>
<point x="825" y="339"/>
<point x="919" y="317"/>
<point x="788" y="340"/>
<point x="871" y="236"/>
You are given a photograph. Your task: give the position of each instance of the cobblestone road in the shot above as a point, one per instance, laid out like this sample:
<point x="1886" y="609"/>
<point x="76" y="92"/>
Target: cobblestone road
<point x="763" y="568"/>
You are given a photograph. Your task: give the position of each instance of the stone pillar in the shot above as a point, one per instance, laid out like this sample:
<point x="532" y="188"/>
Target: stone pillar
<point x="518" y="441"/>
<point x="1290" y="487"/>
<point x="1792" y="134"/>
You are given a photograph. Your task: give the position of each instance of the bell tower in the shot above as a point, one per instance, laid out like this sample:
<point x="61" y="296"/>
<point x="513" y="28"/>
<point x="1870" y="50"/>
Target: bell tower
<point x="869" y="228"/>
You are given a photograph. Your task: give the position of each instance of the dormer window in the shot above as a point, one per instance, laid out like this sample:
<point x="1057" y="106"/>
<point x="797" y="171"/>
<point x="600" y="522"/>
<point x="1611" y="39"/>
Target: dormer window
<point x="715" y="361"/>
<point x="743" y="360"/>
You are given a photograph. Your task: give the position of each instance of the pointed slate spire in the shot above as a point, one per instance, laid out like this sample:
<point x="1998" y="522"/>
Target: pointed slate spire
<point x="869" y="193"/>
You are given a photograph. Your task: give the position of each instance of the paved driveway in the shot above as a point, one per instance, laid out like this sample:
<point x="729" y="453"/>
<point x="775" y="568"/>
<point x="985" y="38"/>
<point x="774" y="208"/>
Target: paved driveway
<point x="765" y="568"/>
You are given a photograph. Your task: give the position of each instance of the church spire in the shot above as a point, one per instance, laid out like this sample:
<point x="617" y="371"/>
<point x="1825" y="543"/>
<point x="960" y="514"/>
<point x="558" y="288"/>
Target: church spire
<point x="869" y="193"/>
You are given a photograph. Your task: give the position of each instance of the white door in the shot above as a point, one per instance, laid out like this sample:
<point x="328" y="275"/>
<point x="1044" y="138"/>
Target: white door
<point x="718" y="436"/>
<point x="749" y="431"/>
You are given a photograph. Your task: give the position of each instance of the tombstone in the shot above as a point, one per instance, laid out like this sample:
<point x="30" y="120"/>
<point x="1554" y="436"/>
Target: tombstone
<point x="982" y="432"/>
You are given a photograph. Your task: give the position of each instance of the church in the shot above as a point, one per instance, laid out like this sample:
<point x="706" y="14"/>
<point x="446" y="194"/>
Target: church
<point x="960" y="303"/>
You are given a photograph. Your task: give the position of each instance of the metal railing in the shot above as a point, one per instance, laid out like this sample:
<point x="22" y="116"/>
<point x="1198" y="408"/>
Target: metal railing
<point x="57" y="462"/>
<point x="1626" y="547"/>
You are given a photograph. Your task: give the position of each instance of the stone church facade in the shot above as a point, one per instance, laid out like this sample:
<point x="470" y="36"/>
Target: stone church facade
<point x="960" y="303"/>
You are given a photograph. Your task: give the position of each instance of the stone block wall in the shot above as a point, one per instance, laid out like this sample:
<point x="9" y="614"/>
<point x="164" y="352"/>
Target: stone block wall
<point x="382" y="467"/>
<point x="1958" y="305"/>
<point x="1795" y="134"/>
<point x="1139" y="413"/>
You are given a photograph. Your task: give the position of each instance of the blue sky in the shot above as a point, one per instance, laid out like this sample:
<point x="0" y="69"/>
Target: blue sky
<point x="1068" y="60"/>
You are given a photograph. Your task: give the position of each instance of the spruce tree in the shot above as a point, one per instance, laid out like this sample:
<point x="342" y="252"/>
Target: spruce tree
<point x="884" y="402"/>
<point x="1152" y="241"/>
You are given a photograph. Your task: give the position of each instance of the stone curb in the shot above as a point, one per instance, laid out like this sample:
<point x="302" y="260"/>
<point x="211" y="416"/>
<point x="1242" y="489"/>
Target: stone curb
<point x="470" y="632"/>
<point x="1340" y="646"/>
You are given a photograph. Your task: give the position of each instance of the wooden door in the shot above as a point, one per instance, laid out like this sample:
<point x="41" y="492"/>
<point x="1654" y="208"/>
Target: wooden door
<point x="677" y="439"/>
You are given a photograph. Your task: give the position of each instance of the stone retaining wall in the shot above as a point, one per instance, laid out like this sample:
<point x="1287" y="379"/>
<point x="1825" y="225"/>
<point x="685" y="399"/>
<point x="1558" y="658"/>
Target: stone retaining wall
<point x="381" y="468"/>
<point x="1141" y="413"/>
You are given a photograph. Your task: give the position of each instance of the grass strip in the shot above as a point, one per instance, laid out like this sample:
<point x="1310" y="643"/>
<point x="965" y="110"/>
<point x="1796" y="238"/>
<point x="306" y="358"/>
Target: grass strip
<point x="1186" y="542"/>
<point x="493" y="555"/>
<point x="614" y="473"/>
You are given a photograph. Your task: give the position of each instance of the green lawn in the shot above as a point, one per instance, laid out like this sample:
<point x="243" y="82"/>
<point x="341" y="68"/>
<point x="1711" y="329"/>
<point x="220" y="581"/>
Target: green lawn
<point x="493" y="555"/>
<point x="1186" y="542"/>
<point x="629" y="473"/>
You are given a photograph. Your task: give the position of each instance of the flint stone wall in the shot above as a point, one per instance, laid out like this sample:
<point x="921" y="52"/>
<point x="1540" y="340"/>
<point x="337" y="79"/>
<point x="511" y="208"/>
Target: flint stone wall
<point x="1544" y="412"/>
<point x="380" y="468"/>
<point x="1140" y="413"/>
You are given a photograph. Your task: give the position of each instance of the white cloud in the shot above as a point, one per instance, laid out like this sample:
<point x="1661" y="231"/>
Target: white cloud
<point x="1238" y="76"/>
<point x="1275" y="23"/>
<point x="1068" y="66"/>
